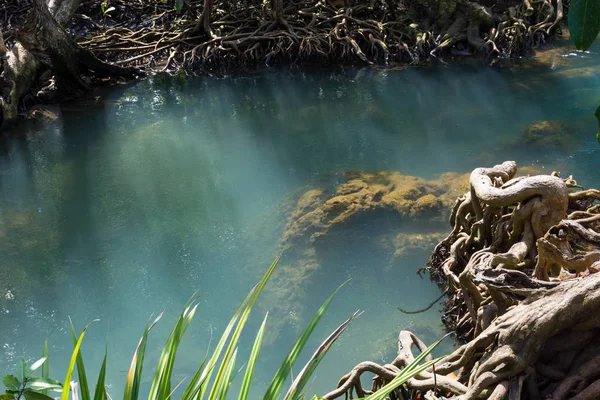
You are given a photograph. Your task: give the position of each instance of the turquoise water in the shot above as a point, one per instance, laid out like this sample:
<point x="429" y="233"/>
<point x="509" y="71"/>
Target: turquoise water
<point x="127" y="204"/>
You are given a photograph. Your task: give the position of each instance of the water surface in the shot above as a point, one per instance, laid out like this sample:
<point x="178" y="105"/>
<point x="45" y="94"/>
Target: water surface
<point x="126" y="205"/>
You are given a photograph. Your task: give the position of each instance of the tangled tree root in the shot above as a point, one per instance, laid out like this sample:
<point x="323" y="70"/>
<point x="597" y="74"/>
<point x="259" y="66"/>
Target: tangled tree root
<point x="519" y="268"/>
<point x="219" y="36"/>
<point x="216" y="36"/>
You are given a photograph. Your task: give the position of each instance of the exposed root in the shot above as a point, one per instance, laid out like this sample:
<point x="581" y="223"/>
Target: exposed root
<point x="219" y="36"/>
<point x="519" y="266"/>
<point x="241" y="34"/>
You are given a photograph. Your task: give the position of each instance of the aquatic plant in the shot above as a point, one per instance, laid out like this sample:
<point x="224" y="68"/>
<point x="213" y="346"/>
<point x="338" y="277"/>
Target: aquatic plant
<point x="221" y="363"/>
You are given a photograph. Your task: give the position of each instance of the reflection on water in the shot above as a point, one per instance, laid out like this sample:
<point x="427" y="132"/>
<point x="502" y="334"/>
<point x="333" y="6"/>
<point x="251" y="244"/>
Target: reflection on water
<point x="124" y="208"/>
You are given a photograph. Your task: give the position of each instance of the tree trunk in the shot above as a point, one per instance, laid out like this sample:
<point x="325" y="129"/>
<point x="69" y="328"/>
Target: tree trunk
<point x="43" y="40"/>
<point x="203" y="24"/>
<point x="277" y="6"/>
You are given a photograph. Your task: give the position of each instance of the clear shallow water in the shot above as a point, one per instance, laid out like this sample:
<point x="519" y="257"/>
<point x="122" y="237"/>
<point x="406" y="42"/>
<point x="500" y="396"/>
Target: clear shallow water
<point x="125" y="208"/>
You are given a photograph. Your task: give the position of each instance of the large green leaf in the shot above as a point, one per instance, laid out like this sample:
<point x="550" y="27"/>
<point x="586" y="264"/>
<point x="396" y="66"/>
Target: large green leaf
<point x="11" y="382"/>
<point x="584" y="22"/>
<point x="33" y="395"/>
<point x="41" y="384"/>
<point x="37" y="364"/>
<point x="21" y="368"/>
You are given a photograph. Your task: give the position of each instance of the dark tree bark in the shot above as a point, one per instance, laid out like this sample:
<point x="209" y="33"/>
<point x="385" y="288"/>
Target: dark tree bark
<point x="277" y="6"/>
<point x="46" y="39"/>
<point x="43" y="40"/>
<point x="203" y="24"/>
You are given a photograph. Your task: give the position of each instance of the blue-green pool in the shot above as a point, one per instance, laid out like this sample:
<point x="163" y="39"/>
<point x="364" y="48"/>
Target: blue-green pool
<point x="127" y="204"/>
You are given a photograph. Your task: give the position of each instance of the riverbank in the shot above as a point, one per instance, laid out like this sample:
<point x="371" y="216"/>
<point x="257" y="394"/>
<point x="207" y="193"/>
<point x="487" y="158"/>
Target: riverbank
<point x="115" y="39"/>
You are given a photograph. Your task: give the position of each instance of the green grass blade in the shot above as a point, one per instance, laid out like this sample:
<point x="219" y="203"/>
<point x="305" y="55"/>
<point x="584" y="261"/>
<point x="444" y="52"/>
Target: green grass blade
<point x="401" y="379"/>
<point x="46" y="365"/>
<point x="225" y="381"/>
<point x="410" y="371"/>
<point x="176" y="387"/>
<point x="254" y="295"/>
<point x="424" y="354"/>
<point x="83" y="384"/>
<point x="197" y="388"/>
<point x="247" y="381"/>
<point x="100" y="391"/>
<point x="189" y="391"/>
<point x="161" y="384"/>
<point x="134" y="376"/>
<point x="295" y="391"/>
<point x="65" y="392"/>
<point x="284" y="370"/>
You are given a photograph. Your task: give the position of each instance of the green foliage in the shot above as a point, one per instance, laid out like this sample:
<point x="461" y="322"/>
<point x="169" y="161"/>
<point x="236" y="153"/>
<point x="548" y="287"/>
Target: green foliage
<point x="414" y="368"/>
<point x="132" y="385"/>
<point x="83" y="384"/>
<point x="246" y="382"/>
<point x="161" y="384"/>
<point x="295" y="391"/>
<point x="24" y="385"/>
<point x="74" y="357"/>
<point x="288" y="362"/>
<point x="584" y="22"/>
<point x="105" y="9"/>
<point x="100" y="392"/>
<point x="46" y="365"/>
<point x="225" y="352"/>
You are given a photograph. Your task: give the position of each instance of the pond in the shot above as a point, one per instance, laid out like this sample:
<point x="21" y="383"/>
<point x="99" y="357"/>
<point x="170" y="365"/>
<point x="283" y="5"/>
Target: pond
<point x="128" y="203"/>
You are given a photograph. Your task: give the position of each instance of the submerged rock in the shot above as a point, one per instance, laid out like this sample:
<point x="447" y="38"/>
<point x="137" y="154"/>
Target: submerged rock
<point x="318" y="211"/>
<point x="550" y="134"/>
<point x="407" y="242"/>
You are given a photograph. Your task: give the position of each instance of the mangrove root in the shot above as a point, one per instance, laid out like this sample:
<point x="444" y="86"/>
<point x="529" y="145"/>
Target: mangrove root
<point x="519" y="268"/>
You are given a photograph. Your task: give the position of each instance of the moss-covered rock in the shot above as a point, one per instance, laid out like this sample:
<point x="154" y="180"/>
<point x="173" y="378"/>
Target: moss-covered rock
<point x="408" y="242"/>
<point x="412" y="197"/>
<point x="550" y="134"/>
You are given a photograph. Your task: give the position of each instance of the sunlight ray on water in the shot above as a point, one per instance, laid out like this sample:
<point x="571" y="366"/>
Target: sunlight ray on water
<point x="125" y="207"/>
